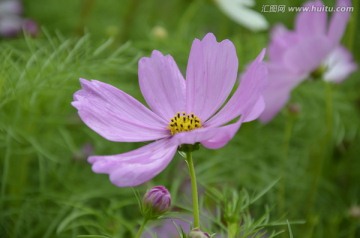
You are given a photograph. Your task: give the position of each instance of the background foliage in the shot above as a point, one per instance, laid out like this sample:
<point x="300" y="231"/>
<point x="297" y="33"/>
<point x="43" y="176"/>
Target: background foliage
<point x="309" y="152"/>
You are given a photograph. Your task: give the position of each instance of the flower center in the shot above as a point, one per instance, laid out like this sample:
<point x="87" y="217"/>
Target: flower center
<point x="183" y="122"/>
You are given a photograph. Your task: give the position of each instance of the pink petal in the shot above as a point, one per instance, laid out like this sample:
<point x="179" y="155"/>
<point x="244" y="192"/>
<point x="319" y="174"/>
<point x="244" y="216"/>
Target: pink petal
<point x="313" y="22"/>
<point x="223" y="136"/>
<point x="281" y="40"/>
<point x="210" y="137"/>
<point x="339" y="21"/>
<point x="135" y="167"/>
<point x="308" y="54"/>
<point x="273" y="104"/>
<point x="339" y="64"/>
<point x="278" y="90"/>
<point x="116" y="115"/>
<point x="210" y="75"/>
<point x="11" y="26"/>
<point x="10" y="7"/>
<point x="162" y="85"/>
<point x="255" y="111"/>
<point x="245" y="101"/>
<point x="192" y="137"/>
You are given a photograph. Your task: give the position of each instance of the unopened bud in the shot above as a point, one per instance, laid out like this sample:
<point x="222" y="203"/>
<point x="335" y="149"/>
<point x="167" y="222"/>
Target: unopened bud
<point x="354" y="212"/>
<point x="196" y="233"/>
<point x="156" y="202"/>
<point x="159" y="33"/>
<point x="294" y="108"/>
<point x="30" y="27"/>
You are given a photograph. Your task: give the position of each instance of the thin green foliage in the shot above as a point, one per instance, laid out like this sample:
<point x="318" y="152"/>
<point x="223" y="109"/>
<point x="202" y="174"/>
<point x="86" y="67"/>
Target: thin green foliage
<point x="47" y="188"/>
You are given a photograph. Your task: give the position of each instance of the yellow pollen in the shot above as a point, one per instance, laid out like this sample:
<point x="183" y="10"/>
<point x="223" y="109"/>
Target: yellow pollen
<point x="183" y="122"/>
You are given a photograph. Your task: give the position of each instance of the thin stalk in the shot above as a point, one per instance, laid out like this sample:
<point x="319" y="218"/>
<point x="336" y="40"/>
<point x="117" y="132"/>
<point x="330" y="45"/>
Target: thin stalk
<point x="287" y="138"/>
<point x="320" y="155"/>
<point x="232" y="229"/>
<point x="141" y="229"/>
<point x="194" y="190"/>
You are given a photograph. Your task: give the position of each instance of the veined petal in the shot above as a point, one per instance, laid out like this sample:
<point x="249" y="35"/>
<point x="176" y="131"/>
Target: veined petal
<point x="194" y="136"/>
<point x="339" y="65"/>
<point x="135" y="167"/>
<point x="339" y="21"/>
<point x="223" y="136"/>
<point x="308" y="54"/>
<point x="210" y="137"/>
<point x="116" y="115"/>
<point x="238" y="12"/>
<point x="210" y="76"/>
<point x="246" y="98"/>
<point x="310" y="23"/>
<point x="162" y="84"/>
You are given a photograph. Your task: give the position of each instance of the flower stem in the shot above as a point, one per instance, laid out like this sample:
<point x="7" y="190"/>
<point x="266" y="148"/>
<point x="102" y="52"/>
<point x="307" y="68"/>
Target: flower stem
<point x="283" y="172"/>
<point x="194" y="189"/>
<point x="320" y="156"/>
<point x="232" y="229"/>
<point x="141" y="229"/>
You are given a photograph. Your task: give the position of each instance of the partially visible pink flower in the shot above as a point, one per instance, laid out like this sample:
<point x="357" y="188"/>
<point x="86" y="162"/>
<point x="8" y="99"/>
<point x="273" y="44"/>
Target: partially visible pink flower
<point x="181" y="111"/>
<point x="169" y="228"/>
<point x="10" y="7"/>
<point x="11" y="21"/>
<point x="313" y="47"/>
<point x="30" y="27"/>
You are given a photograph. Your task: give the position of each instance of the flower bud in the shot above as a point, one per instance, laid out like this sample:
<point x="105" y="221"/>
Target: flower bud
<point x="156" y="202"/>
<point x="354" y="212"/>
<point x="30" y="27"/>
<point x="196" y="233"/>
<point x="294" y="109"/>
<point x="159" y="33"/>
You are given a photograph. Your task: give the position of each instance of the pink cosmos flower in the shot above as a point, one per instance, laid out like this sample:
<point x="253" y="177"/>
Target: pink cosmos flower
<point x="181" y="111"/>
<point x="170" y="227"/>
<point x="311" y="49"/>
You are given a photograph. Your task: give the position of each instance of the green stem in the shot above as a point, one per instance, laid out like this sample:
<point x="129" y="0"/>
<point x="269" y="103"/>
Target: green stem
<point x="141" y="229"/>
<point x="232" y="229"/>
<point x="194" y="189"/>
<point x="283" y="174"/>
<point x="323" y="149"/>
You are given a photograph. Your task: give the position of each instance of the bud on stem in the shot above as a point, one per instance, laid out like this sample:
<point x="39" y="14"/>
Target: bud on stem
<point x="156" y="202"/>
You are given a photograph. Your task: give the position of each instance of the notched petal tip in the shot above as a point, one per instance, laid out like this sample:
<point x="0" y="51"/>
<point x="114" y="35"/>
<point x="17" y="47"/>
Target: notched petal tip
<point x="156" y="53"/>
<point x="209" y="37"/>
<point x="84" y="81"/>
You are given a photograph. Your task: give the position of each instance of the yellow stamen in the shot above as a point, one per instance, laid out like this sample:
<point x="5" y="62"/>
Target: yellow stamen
<point x="183" y="122"/>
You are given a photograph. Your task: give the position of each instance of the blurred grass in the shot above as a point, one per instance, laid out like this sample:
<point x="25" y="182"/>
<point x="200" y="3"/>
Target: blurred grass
<point x="48" y="189"/>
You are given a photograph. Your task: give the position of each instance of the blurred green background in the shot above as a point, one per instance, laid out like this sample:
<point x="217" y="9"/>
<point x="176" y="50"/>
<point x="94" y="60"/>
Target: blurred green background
<point x="48" y="188"/>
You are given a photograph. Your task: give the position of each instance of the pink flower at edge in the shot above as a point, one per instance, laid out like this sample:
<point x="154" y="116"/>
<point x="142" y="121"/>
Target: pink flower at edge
<point x="210" y="76"/>
<point x="12" y="24"/>
<point x="294" y="55"/>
